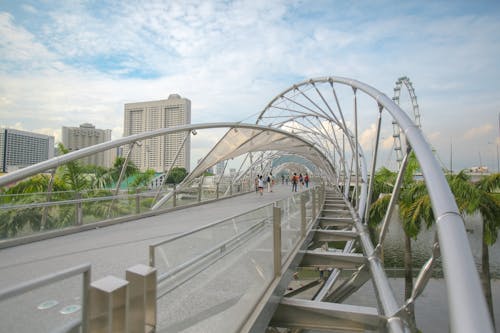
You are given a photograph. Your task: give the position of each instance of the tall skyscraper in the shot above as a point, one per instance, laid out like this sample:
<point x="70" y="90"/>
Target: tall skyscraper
<point x="75" y="138"/>
<point x="159" y="153"/>
<point x="19" y="149"/>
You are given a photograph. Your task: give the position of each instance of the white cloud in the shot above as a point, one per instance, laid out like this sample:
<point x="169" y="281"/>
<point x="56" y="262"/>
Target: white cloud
<point x="478" y="131"/>
<point x="231" y="58"/>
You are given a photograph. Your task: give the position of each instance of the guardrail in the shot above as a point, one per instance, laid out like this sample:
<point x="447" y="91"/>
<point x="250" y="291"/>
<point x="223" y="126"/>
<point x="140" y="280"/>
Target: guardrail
<point x="39" y="220"/>
<point x="107" y="305"/>
<point x="227" y="266"/>
<point x="14" y="316"/>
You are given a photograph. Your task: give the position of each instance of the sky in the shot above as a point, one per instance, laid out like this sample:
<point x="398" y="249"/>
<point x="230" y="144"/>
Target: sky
<point x="64" y="63"/>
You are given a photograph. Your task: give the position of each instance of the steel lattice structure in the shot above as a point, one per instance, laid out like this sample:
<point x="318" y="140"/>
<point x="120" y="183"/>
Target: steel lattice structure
<point x="320" y="120"/>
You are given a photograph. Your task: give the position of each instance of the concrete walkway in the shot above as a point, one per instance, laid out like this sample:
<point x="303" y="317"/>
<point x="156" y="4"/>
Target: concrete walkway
<point x="111" y="250"/>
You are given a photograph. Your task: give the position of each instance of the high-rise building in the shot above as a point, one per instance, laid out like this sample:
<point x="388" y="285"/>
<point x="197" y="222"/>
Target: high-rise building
<point x="19" y="149"/>
<point x="220" y="167"/>
<point x="75" y="138"/>
<point x="159" y="153"/>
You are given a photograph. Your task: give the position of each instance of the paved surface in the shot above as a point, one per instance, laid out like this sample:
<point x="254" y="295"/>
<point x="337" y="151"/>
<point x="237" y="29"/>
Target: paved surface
<point x="111" y="250"/>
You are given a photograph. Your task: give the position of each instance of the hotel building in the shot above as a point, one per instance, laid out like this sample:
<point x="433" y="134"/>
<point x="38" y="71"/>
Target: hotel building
<point x="159" y="153"/>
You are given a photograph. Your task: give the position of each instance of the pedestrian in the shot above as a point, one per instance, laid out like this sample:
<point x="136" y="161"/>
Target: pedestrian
<point x="301" y="181"/>
<point x="306" y="180"/>
<point x="294" y="182"/>
<point x="261" y="185"/>
<point x="282" y="179"/>
<point x="270" y="182"/>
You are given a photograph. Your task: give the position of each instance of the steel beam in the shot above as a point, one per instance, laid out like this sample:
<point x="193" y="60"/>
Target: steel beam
<point x="298" y="313"/>
<point x="332" y="260"/>
<point x="333" y="235"/>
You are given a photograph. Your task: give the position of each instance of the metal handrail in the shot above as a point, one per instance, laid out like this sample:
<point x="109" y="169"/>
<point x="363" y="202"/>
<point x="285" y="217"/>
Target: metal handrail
<point x="25" y="287"/>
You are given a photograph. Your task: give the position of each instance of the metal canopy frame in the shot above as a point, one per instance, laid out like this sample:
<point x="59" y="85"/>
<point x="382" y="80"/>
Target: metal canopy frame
<point x="308" y="119"/>
<point x="313" y="108"/>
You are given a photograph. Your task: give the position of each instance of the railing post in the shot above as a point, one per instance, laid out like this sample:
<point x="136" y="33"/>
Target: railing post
<point x="78" y="209"/>
<point x="142" y="298"/>
<point x="85" y="301"/>
<point x="151" y="256"/>
<point x="277" y="240"/>
<point x="137" y="201"/>
<point x="313" y="192"/>
<point x="174" y="197"/>
<point x="303" y="215"/>
<point x="108" y="305"/>
<point x="200" y="187"/>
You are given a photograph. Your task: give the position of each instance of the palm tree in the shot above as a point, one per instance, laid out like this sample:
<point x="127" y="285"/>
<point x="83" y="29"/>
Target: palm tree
<point x="118" y="165"/>
<point x="480" y="197"/>
<point x="415" y="208"/>
<point x="412" y="211"/>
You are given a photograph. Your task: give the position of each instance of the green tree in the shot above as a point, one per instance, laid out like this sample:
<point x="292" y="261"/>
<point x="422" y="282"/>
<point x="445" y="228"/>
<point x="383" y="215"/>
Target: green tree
<point x="143" y="178"/>
<point x="176" y="175"/>
<point x="411" y="212"/>
<point x="130" y="170"/>
<point x="415" y="207"/>
<point x="482" y="197"/>
<point x="72" y="173"/>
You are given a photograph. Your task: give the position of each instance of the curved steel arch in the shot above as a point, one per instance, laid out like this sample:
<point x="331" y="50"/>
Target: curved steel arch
<point x="468" y="310"/>
<point x="63" y="159"/>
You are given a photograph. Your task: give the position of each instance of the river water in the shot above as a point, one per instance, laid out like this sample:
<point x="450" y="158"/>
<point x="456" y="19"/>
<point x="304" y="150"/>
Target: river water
<point x="431" y="308"/>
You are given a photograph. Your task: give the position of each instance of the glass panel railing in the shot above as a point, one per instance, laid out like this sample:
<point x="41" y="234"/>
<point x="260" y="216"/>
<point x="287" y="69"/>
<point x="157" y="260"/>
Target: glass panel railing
<point x="214" y="272"/>
<point x="290" y="224"/>
<point x="53" y="303"/>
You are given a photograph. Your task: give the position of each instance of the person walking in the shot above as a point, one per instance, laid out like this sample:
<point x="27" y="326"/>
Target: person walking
<point x="295" y="179"/>
<point x="306" y="180"/>
<point x="261" y="185"/>
<point x="270" y="182"/>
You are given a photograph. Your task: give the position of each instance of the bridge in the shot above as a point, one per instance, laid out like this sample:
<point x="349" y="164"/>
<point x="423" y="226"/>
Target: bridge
<point x="227" y="265"/>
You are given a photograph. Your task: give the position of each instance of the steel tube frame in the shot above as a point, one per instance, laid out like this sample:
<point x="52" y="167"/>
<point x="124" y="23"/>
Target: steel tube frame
<point x="468" y="310"/>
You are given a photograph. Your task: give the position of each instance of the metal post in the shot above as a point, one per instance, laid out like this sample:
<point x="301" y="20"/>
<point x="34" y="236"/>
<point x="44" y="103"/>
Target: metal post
<point x="356" y="152"/>
<point x="374" y="164"/>
<point x="200" y="188"/>
<point x="108" y="305"/>
<point x="120" y="178"/>
<point x="277" y="240"/>
<point x="313" y="192"/>
<point x="165" y="175"/>
<point x="137" y="201"/>
<point x="174" y="197"/>
<point x="49" y="195"/>
<point x="85" y="301"/>
<point x="394" y="198"/>
<point x="78" y="209"/>
<point x="142" y="298"/>
<point x="302" y="215"/>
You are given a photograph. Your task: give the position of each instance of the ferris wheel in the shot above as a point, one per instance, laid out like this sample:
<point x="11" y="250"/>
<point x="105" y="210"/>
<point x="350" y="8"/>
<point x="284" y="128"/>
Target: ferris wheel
<point x="404" y="81"/>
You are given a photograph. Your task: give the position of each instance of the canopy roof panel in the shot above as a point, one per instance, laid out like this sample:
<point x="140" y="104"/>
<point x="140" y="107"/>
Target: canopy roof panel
<point x="241" y="140"/>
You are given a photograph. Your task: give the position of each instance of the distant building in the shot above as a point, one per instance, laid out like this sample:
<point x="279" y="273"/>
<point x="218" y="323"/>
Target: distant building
<point x="220" y="167"/>
<point x="19" y="149"/>
<point x="159" y="153"/>
<point x="76" y="138"/>
<point x="232" y="172"/>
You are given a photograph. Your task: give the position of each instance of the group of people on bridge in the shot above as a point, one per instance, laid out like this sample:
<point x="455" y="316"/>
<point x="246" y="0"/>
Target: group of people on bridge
<point x="297" y="180"/>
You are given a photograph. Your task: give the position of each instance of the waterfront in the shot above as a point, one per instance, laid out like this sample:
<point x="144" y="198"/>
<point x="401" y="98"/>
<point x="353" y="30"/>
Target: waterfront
<point x="431" y="308"/>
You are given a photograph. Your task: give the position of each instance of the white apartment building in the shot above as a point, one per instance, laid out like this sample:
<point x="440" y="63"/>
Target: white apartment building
<point x="75" y="138"/>
<point x="159" y="153"/>
<point x="19" y="149"/>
